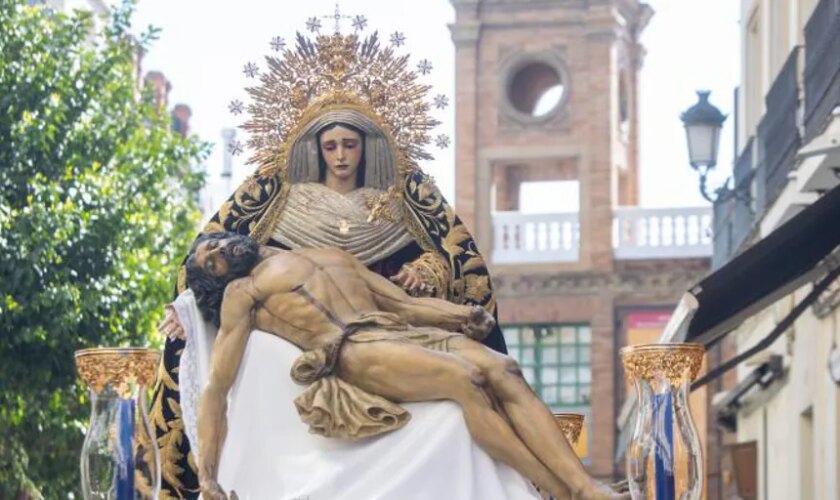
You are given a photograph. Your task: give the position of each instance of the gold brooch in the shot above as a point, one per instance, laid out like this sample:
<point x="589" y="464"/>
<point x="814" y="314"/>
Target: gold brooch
<point x="379" y="207"/>
<point x="343" y="226"/>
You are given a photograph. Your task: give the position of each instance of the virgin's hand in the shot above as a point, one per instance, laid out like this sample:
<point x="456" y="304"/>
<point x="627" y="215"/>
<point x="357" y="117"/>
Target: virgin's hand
<point x="170" y="326"/>
<point x="410" y="280"/>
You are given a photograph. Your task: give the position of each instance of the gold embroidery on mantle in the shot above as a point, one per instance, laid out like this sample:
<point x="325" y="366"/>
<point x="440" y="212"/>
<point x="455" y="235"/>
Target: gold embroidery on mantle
<point x="380" y="206"/>
<point x="434" y="272"/>
<point x="172" y="437"/>
<point x="476" y="287"/>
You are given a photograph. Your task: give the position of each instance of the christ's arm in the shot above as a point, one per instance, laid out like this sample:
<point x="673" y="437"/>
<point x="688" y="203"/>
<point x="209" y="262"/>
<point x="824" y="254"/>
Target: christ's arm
<point x="424" y="311"/>
<point x="237" y="319"/>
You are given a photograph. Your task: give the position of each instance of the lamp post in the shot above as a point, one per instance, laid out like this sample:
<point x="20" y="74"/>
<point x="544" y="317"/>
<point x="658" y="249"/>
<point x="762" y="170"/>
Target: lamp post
<point x="703" y="122"/>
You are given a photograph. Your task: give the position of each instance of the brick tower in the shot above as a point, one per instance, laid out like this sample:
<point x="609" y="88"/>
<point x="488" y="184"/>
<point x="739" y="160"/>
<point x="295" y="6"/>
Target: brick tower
<point x="547" y="91"/>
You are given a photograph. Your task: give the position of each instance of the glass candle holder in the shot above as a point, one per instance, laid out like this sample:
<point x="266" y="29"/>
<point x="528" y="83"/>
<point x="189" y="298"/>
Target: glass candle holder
<point x="119" y="456"/>
<point x="664" y="456"/>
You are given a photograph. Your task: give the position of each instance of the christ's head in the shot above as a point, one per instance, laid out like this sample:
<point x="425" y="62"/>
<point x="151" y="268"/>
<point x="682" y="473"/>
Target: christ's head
<point x="215" y="260"/>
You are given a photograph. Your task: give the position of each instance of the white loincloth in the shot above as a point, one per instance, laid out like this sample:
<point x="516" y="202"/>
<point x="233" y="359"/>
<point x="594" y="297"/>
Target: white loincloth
<point x="269" y="453"/>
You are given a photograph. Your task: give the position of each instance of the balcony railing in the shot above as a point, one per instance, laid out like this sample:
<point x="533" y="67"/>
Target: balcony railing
<point x="778" y="132"/>
<point x="535" y="238"/>
<point x="638" y="233"/>
<point x="822" y="66"/>
<point x="662" y="233"/>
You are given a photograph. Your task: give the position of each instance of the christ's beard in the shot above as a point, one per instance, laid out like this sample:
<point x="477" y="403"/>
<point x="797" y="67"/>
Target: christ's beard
<point x="241" y="262"/>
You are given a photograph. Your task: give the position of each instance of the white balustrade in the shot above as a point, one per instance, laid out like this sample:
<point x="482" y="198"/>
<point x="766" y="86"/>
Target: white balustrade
<point x="521" y="238"/>
<point x="638" y="233"/>
<point x="662" y="233"/>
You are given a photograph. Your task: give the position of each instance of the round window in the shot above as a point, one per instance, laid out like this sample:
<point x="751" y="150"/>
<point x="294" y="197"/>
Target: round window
<point x="536" y="89"/>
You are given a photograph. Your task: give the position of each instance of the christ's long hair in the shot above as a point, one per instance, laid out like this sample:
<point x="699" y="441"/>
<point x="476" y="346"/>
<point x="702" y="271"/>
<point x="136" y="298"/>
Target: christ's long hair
<point x="209" y="290"/>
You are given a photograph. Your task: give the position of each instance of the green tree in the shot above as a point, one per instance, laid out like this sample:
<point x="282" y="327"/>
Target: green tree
<point x="96" y="207"/>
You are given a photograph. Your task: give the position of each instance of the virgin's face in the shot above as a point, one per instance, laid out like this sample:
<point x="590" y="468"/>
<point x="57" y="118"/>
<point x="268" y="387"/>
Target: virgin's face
<point x="342" y="151"/>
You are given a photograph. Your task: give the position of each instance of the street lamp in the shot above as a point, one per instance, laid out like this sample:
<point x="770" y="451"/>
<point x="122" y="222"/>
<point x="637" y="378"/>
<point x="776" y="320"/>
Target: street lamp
<point x="703" y="122"/>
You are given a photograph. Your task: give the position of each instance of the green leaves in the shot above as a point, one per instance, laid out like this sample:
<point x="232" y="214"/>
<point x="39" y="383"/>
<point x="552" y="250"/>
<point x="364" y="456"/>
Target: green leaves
<point x="96" y="208"/>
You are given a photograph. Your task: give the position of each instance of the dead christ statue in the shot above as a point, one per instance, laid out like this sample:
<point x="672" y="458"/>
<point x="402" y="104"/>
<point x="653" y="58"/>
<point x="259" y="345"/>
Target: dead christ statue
<point x="368" y="345"/>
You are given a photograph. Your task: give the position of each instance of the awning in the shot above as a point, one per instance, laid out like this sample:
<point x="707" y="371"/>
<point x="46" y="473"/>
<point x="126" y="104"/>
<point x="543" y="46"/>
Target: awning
<point x="800" y="251"/>
<point x="804" y="249"/>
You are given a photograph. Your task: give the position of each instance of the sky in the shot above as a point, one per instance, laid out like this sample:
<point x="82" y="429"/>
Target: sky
<point x="691" y="45"/>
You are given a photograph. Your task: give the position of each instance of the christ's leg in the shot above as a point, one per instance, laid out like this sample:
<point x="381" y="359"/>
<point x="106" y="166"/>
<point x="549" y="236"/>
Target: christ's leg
<point x="531" y="419"/>
<point x="405" y="372"/>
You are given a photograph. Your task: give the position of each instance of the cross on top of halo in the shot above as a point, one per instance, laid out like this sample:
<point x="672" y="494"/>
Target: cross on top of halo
<point x="359" y="23"/>
<point x="313" y="25"/>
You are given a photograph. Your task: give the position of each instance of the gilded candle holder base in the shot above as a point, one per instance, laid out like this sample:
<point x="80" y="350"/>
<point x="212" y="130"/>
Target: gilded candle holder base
<point x="571" y="424"/>
<point x="119" y="456"/>
<point x="664" y="456"/>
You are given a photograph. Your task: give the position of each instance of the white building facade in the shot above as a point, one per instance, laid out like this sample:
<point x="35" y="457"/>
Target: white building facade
<point x="786" y="423"/>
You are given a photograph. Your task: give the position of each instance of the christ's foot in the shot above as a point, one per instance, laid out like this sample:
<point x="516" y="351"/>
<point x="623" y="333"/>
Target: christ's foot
<point x="622" y="486"/>
<point x="600" y="491"/>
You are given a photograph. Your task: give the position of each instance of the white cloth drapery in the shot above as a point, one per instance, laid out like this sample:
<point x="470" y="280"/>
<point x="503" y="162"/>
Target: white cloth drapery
<point x="269" y="453"/>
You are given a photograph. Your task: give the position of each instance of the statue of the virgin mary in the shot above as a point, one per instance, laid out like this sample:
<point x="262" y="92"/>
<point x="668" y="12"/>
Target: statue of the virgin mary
<point x="339" y="125"/>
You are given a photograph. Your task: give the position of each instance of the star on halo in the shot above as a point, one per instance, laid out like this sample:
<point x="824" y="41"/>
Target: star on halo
<point x="313" y="24"/>
<point x="251" y="70"/>
<point x="278" y="44"/>
<point x="235" y="106"/>
<point x="442" y="141"/>
<point x="424" y="67"/>
<point x="397" y="39"/>
<point x="441" y="101"/>
<point x="235" y="147"/>
<point x="360" y="23"/>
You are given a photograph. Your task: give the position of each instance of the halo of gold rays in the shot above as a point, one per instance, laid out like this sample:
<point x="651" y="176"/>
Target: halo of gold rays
<point x="333" y="69"/>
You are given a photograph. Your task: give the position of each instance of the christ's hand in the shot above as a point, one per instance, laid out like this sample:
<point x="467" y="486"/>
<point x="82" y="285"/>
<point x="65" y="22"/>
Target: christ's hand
<point x="479" y="323"/>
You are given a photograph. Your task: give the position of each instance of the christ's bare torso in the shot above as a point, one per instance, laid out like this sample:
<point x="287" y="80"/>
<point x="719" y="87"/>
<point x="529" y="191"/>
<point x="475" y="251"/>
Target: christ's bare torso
<point x="286" y="284"/>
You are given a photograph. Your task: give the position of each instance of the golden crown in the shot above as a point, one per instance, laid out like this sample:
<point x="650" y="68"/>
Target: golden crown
<point x="335" y="69"/>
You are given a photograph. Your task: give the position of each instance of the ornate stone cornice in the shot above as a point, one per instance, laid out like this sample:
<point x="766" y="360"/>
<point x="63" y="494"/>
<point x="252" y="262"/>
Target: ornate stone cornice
<point x="624" y="283"/>
<point x="491" y="10"/>
<point x="465" y="9"/>
<point x="529" y="3"/>
<point x="465" y="32"/>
